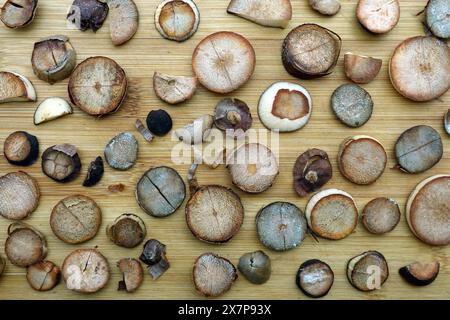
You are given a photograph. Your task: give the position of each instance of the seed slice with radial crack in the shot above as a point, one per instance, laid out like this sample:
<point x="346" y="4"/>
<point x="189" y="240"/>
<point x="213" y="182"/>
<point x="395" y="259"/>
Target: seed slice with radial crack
<point x="43" y="276"/>
<point x="15" y="87"/>
<point x="18" y="13"/>
<point x="50" y="109"/>
<point x="61" y="162"/>
<point x="269" y="13"/>
<point x="361" y="69"/>
<point x="132" y="273"/>
<point x="177" y="19"/>
<point x="174" y="89"/>
<point x="223" y="61"/>
<point x="378" y="16"/>
<point x="123" y="20"/>
<point x="368" y="271"/>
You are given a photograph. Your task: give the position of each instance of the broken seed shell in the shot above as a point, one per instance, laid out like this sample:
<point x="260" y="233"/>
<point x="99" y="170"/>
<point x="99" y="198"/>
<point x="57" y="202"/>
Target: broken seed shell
<point x="76" y="219"/>
<point x="19" y="195"/>
<point x="123" y="21"/>
<point x="50" y="109"/>
<point x="94" y="173"/>
<point x="352" y="105"/>
<point x="154" y="256"/>
<point x="177" y="20"/>
<point x="132" y="274"/>
<point x="418" y="149"/>
<point x="420" y="68"/>
<point x="85" y="271"/>
<point x="127" y="230"/>
<point x="61" y="162"/>
<point x="197" y="131"/>
<point x="428" y="210"/>
<point x="213" y="275"/>
<point x="269" y="13"/>
<point x="362" y="159"/>
<point x="314" y="278"/>
<point x="234" y="115"/>
<point x="223" y="61"/>
<point x="312" y="170"/>
<point x="15" y="87"/>
<point x="326" y="7"/>
<point x="53" y="58"/>
<point x="174" y="89"/>
<point x="361" y="69"/>
<point x="21" y="148"/>
<point x="378" y="16"/>
<point x="285" y="106"/>
<point x="420" y="274"/>
<point x="146" y="134"/>
<point x="332" y="214"/>
<point x="25" y="245"/>
<point x="254" y="167"/>
<point x="98" y="86"/>
<point x="381" y="215"/>
<point x="255" y="266"/>
<point x="159" y="122"/>
<point x="437" y="18"/>
<point x="447" y="122"/>
<point x="18" y="13"/>
<point x="160" y="191"/>
<point x="281" y="226"/>
<point x="310" y="51"/>
<point x="122" y="151"/>
<point x="43" y="276"/>
<point x="88" y="14"/>
<point x="368" y="271"/>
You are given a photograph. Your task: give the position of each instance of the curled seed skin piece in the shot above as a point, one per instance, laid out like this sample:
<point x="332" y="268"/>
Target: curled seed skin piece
<point x="418" y="149"/>
<point x="427" y="210"/>
<point x="94" y="173"/>
<point x="53" y="58"/>
<point x="127" y="230"/>
<point x="15" y="87"/>
<point x="18" y="13"/>
<point x="132" y="273"/>
<point x="85" y="271"/>
<point x="159" y="122"/>
<point x="447" y="122"/>
<point x="19" y="195"/>
<point x="122" y="151"/>
<point x="255" y="266"/>
<point x="437" y="18"/>
<point x="310" y="51"/>
<point x="269" y="13"/>
<point x="312" y="170"/>
<point x="378" y="16"/>
<point x="326" y="7"/>
<point x="361" y="270"/>
<point x="124" y="20"/>
<point x="50" y="109"/>
<point x="43" y="276"/>
<point x="281" y="226"/>
<point x="21" y="148"/>
<point x="361" y="69"/>
<point x="174" y="89"/>
<point x="352" y="105"/>
<point x="420" y="274"/>
<point x="61" y="162"/>
<point x="213" y="275"/>
<point x="381" y="215"/>
<point x="154" y="256"/>
<point x="232" y="114"/>
<point x="88" y="14"/>
<point x="315" y="278"/>
<point x="146" y="134"/>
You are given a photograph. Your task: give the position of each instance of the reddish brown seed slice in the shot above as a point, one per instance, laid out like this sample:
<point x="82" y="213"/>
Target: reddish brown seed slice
<point x="133" y="274"/>
<point x="43" y="276"/>
<point x="128" y="230"/>
<point x="361" y="69"/>
<point x="24" y="246"/>
<point x="368" y="271"/>
<point x="18" y="13"/>
<point x="378" y="16"/>
<point x="290" y="104"/>
<point x="381" y="215"/>
<point x="420" y="274"/>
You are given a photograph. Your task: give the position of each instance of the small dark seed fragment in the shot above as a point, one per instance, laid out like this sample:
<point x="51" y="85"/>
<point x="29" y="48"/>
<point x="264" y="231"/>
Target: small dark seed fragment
<point x="255" y="266"/>
<point x="94" y="173"/>
<point x="128" y="230"/>
<point x="21" y="148"/>
<point x="88" y="14"/>
<point x="420" y="274"/>
<point x="315" y="278"/>
<point x="43" y="276"/>
<point x="61" y="162"/>
<point x="132" y="273"/>
<point x="159" y="122"/>
<point x="352" y="105"/>
<point x="121" y="152"/>
<point x="381" y="215"/>
<point x="154" y="256"/>
<point x="368" y="271"/>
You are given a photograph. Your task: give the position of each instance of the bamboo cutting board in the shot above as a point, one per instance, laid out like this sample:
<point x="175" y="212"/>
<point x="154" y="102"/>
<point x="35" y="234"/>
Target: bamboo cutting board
<point x="148" y="52"/>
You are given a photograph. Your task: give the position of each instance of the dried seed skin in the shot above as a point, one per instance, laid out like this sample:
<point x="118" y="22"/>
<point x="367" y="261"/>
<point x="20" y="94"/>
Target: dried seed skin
<point x="234" y="114"/>
<point x="255" y="266"/>
<point x="122" y="151"/>
<point x="154" y="256"/>
<point x="315" y="278"/>
<point x="352" y="105"/>
<point x="94" y="173"/>
<point x="88" y="14"/>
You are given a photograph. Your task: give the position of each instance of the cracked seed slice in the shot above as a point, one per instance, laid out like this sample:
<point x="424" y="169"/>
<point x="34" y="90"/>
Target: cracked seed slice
<point x="378" y="16"/>
<point x="61" y="162"/>
<point x="85" y="271"/>
<point x="255" y="266"/>
<point x="281" y="226"/>
<point x="132" y="274"/>
<point x="160" y="191"/>
<point x="76" y="219"/>
<point x="269" y="13"/>
<point x="43" y="276"/>
<point x="18" y="13"/>
<point x="223" y="61"/>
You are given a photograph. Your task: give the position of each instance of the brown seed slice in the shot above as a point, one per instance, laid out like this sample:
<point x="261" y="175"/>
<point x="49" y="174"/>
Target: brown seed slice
<point x="213" y="275"/>
<point x="223" y="61"/>
<point x="132" y="273"/>
<point x="362" y="159"/>
<point x="85" y="270"/>
<point x="19" y="195"/>
<point x="123" y="20"/>
<point x="98" y="86"/>
<point x="361" y="69"/>
<point x="381" y="215"/>
<point x="53" y="58"/>
<point x="378" y="16"/>
<point x="420" y="274"/>
<point x="326" y="7"/>
<point x="310" y="51"/>
<point x="177" y="19"/>
<point x="332" y="214"/>
<point x="420" y="68"/>
<point x="174" y="89"/>
<point x="15" y="87"/>
<point x="253" y="167"/>
<point x="428" y="210"/>
<point x="127" y="230"/>
<point x="21" y="148"/>
<point x="315" y="278"/>
<point x="233" y="115"/>
<point x="368" y="271"/>
<point x="76" y="219"/>
<point x="25" y="245"/>
<point x="269" y="13"/>
<point x="61" y="162"/>
<point x="43" y="276"/>
<point x="18" y="13"/>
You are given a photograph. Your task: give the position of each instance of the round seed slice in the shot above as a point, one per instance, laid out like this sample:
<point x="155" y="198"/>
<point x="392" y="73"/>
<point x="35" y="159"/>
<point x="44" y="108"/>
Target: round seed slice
<point x="381" y="215"/>
<point x="43" y="276"/>
<point x="315" y="278"/>
<point x="368" y="271"/>
<point x="378" y="16"/>
<point x="437" y="18"/>
<point x="352" y="105"/>
<point x="128" y="230"/>
<point x="21" y="148"/>
<point x="25" y="245"/>
<point x="121" y="152"/>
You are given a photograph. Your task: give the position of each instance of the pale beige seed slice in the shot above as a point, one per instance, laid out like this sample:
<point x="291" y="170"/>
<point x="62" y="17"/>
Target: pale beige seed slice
<point x="15" y="87"/>
<point x="269" y="13"/>
<point x="177" y="19"/>
<point x="174" y="89"/>
<point x="378" y="16"/>
<point x="123" y="20"/>
<point x="381" y="215"/>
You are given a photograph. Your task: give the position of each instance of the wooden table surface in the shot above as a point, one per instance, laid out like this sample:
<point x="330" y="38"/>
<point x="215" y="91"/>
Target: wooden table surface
<point x="148" y="52"/>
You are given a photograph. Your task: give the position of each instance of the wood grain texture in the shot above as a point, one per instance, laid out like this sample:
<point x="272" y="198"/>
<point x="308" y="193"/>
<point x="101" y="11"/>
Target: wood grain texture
<point x="148" y="52"/>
